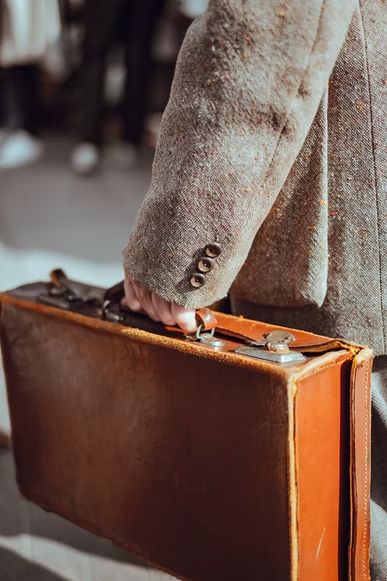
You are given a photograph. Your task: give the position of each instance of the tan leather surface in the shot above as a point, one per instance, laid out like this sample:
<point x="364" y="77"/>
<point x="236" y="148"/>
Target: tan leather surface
<point x="321" y="416"/>
<point x="210" y="465"/>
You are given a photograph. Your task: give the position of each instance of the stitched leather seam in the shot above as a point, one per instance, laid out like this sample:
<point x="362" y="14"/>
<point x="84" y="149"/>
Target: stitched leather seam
<point x="366" y="476"/>
<point x="292" y="479"/>
<point x="366" y="463"/>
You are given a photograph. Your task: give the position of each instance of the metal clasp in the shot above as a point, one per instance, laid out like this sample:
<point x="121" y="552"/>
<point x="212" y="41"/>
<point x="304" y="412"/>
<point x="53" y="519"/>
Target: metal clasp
<point x="61" y="297"/>
<point x="112" y="313"/>
<point x="274" y="347"/>
<point x="206" y="338"/>
<point x="65" y="294"/>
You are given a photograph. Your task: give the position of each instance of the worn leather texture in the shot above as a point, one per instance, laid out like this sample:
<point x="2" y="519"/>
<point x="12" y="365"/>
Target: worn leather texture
<point x="273" y="146"/>
<point x="207" y="464"/>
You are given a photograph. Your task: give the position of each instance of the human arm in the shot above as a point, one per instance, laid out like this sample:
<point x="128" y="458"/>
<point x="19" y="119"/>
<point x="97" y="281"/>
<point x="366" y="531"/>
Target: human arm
<point x="249" y="79"/>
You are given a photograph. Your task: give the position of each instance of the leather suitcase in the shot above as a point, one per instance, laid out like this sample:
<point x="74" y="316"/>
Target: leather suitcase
<point x="237" y="456"/>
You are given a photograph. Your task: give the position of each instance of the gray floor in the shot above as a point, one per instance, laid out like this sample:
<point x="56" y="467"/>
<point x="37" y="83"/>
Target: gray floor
<point x="49" y="218"/>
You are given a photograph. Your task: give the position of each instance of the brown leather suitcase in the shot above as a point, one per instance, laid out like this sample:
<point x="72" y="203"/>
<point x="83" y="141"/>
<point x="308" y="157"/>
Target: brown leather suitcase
<point x="237" y="456"/>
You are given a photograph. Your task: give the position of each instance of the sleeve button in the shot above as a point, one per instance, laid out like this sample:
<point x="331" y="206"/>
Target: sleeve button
<point x="197" y="280"/>
<point x="205" y="264"/>
<point x="213" y="250"/>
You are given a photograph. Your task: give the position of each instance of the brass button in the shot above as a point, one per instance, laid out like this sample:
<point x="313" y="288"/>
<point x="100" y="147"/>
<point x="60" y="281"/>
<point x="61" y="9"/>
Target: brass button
<point x="205" y="264"/>
<point x="197" y="280"/>
<point x="213" y="250"/>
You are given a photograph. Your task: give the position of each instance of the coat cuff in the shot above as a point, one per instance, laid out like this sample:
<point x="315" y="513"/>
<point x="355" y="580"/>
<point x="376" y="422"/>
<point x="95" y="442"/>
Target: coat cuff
<point x="193" y="276"/>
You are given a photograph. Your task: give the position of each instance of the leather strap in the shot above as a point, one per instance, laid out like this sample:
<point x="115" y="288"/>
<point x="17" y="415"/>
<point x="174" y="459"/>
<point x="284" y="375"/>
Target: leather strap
<point x="227" y="325"/>
<point x="246" y="329"/>
<point x="206" y="318"/>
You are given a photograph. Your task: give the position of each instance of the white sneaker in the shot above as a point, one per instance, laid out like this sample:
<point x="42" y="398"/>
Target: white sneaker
<point x="85" y="158"/>
<point x="121" y="155"/>
<point x="19" y="148"/>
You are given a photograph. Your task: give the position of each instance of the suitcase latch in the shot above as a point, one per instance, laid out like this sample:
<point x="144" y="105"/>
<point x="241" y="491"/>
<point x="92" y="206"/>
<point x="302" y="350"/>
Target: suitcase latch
<point x="64" y="294"/>
<point x="274" y="347"/>
<point x="207" y="338"/>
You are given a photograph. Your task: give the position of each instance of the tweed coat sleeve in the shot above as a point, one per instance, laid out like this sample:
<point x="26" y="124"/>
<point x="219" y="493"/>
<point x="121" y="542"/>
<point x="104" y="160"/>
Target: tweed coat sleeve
<point x="248" y="82"/>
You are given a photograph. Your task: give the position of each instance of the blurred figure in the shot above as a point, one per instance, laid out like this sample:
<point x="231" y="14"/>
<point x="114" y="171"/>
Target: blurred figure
<point x="102" y="20"/>
<point x="26" y="30"/>
<point x="19" y="143"/>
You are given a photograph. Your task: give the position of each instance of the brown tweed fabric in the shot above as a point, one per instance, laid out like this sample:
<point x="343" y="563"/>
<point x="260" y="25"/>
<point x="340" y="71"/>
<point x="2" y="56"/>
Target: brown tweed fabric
<point x="272" y="146"/>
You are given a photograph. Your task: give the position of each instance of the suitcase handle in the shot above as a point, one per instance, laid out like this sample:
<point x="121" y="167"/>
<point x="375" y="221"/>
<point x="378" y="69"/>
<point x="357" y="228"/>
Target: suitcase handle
<point x="205" y="318"/>
<point x="65" y="292"/>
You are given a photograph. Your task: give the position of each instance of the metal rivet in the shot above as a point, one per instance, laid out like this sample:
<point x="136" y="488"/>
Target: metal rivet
<point x="213" y="250"/>
<point x="205" y="264"/>
<point x="197" y="280"/>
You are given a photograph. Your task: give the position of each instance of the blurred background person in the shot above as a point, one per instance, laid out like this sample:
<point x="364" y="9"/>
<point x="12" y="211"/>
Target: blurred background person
<point x="135" y="22"/>
<point x="27" y="29"/>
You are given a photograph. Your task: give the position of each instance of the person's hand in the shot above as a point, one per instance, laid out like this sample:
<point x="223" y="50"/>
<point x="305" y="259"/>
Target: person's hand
<point x="141" y="300"/>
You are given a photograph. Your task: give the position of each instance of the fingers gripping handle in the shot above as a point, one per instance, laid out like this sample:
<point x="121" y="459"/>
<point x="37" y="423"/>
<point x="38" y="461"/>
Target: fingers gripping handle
<point x="205" y="318"/>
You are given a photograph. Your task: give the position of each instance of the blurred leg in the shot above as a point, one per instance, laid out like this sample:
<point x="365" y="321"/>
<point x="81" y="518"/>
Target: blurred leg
<point x="20" y="98"/>
<point x="18" y="145"/>
<point x="142" y="19"/>
<point x="100" y="20"/>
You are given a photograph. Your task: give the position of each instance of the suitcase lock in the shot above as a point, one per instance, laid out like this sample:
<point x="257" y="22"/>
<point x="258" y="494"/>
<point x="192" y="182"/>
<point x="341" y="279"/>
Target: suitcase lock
<point x="274" y="347"/>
